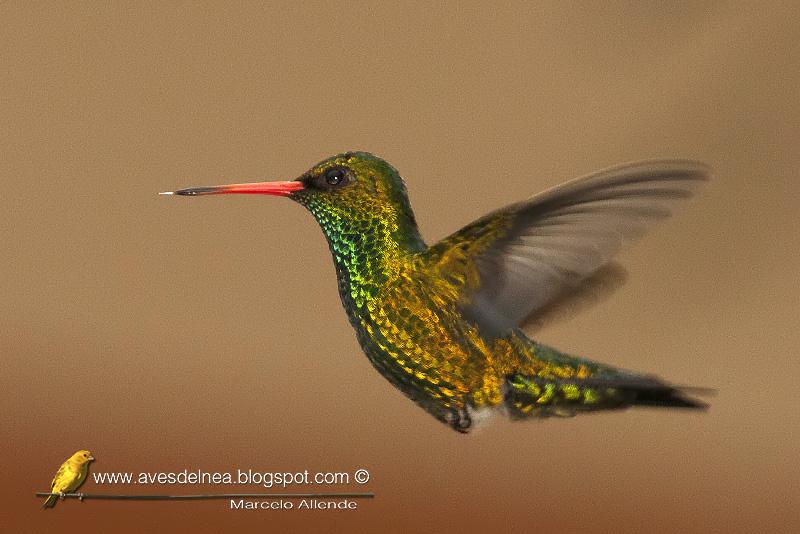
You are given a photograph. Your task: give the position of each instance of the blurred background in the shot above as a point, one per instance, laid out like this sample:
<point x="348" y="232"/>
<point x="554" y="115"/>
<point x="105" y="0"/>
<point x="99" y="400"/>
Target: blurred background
<point x="168" y="333"/>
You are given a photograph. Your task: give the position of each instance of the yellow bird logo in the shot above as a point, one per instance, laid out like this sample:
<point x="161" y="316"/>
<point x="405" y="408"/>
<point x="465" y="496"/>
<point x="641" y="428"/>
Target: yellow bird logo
<point x="69" y="476"/>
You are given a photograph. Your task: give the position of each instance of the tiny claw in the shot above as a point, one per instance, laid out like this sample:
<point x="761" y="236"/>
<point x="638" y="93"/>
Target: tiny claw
<point x="81" y="496"/>
<point x="62" y="495"/>
<point x="460" y="420"/>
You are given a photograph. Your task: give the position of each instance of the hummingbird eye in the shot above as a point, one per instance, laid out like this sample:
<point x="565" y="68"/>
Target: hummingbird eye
<point x="333" y="177"/>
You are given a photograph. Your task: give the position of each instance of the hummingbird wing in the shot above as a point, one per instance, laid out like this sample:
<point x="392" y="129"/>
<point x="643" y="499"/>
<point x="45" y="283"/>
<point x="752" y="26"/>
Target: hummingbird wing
<point x="590" y="291"/>
<point x="518" y="259"/>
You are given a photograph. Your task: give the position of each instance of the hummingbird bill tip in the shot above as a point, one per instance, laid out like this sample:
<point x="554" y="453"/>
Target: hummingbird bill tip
<point x="167" y="193"/>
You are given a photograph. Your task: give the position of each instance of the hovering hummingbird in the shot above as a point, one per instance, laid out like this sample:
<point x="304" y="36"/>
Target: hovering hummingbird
<point x="442" y="322"/>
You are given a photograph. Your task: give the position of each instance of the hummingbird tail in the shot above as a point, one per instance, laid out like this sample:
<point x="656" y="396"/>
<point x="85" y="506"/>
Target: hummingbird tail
<point x="527" y="396"/>
<point x="667" y="397"/>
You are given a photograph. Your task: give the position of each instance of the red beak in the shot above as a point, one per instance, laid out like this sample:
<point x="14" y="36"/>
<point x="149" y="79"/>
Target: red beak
<point x="281" y="189"/>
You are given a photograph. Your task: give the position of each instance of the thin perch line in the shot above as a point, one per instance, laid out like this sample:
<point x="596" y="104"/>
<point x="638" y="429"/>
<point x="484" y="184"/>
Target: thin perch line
<point x="107" y="496"/>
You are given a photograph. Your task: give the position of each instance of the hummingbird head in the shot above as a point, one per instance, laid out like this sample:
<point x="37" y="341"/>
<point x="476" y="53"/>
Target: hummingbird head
<point x="356" y="189"/>
<point x="350" y="194"/>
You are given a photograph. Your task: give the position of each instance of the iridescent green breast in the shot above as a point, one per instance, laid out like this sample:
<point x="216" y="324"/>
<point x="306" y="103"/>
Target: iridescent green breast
<point x="395" y="320"/>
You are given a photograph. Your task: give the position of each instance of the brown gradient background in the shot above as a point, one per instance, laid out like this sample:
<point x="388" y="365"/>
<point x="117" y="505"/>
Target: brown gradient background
<point x="170" y="333"/>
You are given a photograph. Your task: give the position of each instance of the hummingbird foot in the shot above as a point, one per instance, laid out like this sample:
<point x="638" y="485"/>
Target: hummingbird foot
<point x="61" y="495"/>
<point x="460" y="420"/>
<point x="81" y="496"/>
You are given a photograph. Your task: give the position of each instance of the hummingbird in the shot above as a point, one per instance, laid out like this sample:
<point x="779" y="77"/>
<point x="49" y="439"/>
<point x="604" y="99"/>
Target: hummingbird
<point x="443" y="323"/>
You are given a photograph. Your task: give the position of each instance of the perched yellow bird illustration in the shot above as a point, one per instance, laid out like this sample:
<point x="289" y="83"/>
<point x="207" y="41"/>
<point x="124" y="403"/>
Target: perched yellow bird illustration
<point x="69" y="476"/>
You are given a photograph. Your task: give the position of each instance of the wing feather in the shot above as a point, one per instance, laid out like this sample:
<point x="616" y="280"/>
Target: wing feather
<point x="530" y="254"/>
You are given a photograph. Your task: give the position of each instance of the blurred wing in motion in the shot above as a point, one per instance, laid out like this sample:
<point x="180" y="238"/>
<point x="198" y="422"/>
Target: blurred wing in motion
<point x="589" y="292"/>
<point x="517" y="260"/>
